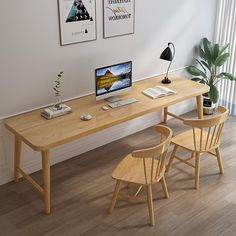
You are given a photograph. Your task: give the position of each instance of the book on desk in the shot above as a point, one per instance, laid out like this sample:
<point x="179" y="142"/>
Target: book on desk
<point x="158" y="91"/>
<point x="53" y="112"/>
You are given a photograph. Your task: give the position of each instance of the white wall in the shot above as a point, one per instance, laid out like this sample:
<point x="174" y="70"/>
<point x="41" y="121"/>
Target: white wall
<point x="31" y="56"/>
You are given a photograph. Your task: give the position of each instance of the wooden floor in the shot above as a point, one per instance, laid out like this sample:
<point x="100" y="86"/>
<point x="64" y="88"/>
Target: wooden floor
<point x="82" y="187"/>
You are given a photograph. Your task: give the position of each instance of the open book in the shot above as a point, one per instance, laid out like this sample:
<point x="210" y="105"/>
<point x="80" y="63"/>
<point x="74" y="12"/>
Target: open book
<point x="158" y="91"/>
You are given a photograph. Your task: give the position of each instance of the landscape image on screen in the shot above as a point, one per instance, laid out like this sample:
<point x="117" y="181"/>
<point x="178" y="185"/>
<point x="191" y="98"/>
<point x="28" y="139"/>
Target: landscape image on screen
<point x="113" y="78"/>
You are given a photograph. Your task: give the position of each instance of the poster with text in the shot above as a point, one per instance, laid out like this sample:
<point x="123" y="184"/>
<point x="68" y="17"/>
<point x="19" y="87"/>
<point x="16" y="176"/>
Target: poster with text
<point x="77" y="21"/>
<point x="119" y="17"/>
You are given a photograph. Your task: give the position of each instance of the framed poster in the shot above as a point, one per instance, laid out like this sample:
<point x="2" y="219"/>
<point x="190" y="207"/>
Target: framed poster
<point x="77" y="21"/>
<point x="119" y="17"/>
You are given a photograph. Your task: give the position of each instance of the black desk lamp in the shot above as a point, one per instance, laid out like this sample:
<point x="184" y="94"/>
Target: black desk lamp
<point x="167" y="55"/>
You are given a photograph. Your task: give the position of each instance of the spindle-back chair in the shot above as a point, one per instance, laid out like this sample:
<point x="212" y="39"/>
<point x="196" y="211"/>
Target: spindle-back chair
<point x="203" y="137"/>
<point x="144" y="168"/>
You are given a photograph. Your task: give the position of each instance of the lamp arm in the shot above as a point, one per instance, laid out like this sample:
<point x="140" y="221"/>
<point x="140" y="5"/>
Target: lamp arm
<point x="173" y="48"/>
<point x="171" y="60"/>
<point x="168" y="70"/>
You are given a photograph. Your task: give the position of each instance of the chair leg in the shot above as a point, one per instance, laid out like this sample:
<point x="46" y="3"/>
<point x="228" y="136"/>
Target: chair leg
<point x="192" y="155"/>
<point x="197" y="170"/>
<point x="115" y="195"/>
<point x="218" y="155"/>
<point x="138" y="190"/>
<point x="171" y="158"/>
<point x="150" y="205"/>
<point x="164" y="186"/>
<point x="165" y="115"/>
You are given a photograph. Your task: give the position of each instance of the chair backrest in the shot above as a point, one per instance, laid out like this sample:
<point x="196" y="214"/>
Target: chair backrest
<point x="154" y="170"/>
<point x="207" y="132"/>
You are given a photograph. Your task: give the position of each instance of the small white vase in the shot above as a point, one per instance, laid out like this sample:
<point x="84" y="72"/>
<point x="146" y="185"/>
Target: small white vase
<point x="58" y="104"/>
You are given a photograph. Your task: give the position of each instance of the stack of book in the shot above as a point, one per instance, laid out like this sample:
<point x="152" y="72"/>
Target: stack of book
<point x="53" y="112"/>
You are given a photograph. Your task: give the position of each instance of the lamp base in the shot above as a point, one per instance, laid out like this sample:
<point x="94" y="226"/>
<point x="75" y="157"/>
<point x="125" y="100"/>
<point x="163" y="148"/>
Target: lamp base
<point x="166" y="81"/>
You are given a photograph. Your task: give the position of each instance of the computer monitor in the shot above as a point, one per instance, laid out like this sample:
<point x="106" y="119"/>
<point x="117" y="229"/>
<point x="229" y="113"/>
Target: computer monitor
<point x="113" y="80"/>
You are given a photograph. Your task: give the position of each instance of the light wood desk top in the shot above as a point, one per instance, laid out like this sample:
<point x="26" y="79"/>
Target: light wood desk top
<point x="41" y="134"/>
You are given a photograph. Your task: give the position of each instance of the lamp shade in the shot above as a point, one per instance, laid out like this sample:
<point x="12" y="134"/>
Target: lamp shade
<point x="167" y="54"/>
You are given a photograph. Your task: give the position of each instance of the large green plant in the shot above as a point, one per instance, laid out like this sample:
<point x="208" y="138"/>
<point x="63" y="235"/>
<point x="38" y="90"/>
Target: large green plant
<point x="211" y="58"/>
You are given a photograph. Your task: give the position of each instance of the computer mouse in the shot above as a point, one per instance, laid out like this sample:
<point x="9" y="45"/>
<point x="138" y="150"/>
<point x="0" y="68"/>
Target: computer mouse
<point x="105" y="108"/>
<point x="86" y="116"/>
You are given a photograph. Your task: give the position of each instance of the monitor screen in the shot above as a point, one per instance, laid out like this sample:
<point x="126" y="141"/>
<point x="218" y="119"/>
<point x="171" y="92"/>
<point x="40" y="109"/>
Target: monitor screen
<point x="112" y="78"/>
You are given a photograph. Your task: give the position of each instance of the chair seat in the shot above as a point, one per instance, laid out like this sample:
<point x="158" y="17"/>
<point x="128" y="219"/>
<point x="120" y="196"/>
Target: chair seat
<point x="131" y="170"/>
<point x="186" y="140"/>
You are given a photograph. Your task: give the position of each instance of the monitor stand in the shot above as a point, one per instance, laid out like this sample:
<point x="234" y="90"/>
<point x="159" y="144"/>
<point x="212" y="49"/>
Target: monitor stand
<point x="113" y="99"/>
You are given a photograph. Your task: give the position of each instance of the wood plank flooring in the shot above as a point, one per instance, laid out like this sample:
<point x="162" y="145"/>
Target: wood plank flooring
<point x="82" y="188"/>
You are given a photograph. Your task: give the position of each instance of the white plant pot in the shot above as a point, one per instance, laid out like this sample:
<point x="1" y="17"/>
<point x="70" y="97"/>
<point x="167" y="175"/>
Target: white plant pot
<point x="208" y="106"/>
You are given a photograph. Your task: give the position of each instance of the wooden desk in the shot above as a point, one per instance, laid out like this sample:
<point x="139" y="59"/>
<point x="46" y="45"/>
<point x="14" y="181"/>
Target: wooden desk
<point x="42" y="135"/>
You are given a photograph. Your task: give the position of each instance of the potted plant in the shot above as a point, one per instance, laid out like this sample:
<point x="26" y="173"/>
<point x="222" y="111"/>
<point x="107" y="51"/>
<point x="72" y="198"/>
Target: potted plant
<point x="57" y="91"/>
<point x="212" y="57"/>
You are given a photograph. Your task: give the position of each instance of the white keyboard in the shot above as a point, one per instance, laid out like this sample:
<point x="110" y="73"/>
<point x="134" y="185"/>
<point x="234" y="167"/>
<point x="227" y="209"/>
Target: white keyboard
<point x="122" y="102"/>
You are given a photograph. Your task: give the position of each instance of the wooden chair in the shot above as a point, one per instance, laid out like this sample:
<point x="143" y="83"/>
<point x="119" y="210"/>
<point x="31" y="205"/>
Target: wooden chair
<point x="203" y="137"/>
<point x="144" y="168"/>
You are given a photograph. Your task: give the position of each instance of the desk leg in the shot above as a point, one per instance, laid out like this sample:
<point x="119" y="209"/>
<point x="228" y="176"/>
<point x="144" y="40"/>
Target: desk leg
<point x="46" y="180"/>
<point x="199" y="107"/>
<point x="165" y="114"/>
<point x="17" y="156"/>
